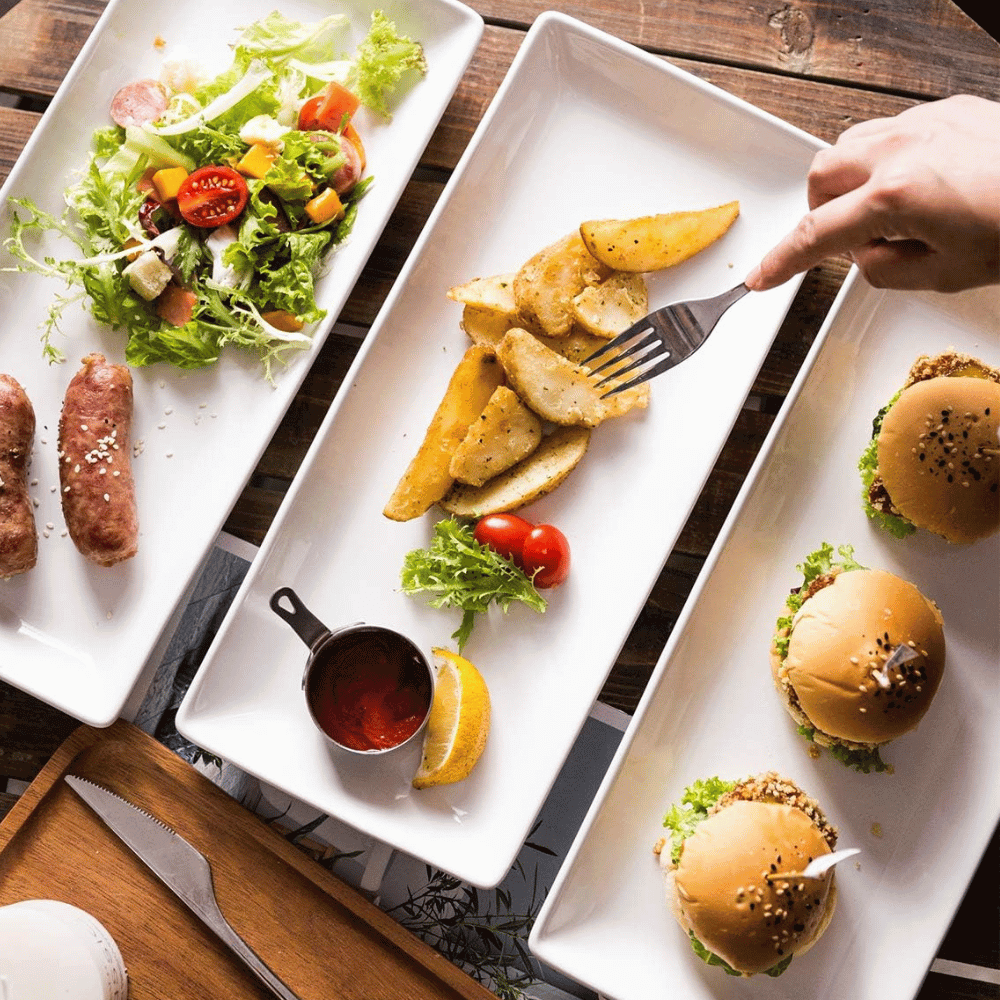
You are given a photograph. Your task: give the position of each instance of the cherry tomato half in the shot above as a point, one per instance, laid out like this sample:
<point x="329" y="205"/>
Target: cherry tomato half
<point x="504" y="533"/>
<point x="545" y="552"/>
<point x="212" y="196"/>
<point x="329" y="110"/>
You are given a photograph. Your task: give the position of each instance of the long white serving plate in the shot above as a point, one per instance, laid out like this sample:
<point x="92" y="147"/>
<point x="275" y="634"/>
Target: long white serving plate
<point x="583" y="126"/>
<point x="76" y="635"/>
<point x="711" y="709"/>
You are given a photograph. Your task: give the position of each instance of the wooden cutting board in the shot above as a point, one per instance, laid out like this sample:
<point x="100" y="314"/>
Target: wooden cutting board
<point x="322" y="937"/>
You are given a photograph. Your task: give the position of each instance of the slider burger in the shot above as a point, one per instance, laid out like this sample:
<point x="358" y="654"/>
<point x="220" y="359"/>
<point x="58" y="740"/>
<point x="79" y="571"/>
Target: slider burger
<point x="834" y="656"/>
<point x="729" y="866"/>
<point x="934" y="458"/>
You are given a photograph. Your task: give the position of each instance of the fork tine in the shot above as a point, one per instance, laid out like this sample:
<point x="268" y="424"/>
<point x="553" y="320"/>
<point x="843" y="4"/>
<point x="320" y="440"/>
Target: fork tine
<point x="643" y="359"/>
<point x="635" y="330"/>
<point x="649" y="340"/>
<point x="661" y="366"/>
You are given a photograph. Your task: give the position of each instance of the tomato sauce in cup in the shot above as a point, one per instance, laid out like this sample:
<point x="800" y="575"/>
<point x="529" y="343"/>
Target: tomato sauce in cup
<point x="368" y="689"/>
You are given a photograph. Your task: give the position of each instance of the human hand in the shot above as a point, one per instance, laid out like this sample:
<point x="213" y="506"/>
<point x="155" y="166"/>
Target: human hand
<point x="914" y="200"/>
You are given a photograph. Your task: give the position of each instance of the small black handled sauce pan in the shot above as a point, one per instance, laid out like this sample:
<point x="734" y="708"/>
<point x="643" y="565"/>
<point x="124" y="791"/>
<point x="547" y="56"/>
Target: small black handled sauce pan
<point x="368" y="688"/>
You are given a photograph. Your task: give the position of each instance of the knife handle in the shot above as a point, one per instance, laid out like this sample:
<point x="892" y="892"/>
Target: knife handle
<point x="213" y="917"/>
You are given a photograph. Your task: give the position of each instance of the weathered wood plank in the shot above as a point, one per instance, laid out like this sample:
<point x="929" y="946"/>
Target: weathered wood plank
<point x="926" y="48"/>
<point x="64" y="25"/>
<point x="15" y="128"/>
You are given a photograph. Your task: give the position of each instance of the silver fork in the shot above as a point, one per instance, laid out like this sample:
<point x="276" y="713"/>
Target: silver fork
<point x="676" y="331"/>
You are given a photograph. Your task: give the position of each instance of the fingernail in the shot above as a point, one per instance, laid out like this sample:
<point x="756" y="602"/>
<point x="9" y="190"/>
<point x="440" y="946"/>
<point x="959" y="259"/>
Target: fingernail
<point x="753" y="278"/>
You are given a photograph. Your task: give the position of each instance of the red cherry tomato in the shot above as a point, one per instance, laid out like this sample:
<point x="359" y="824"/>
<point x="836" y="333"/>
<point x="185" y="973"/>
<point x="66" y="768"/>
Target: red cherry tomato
<point x="329" y="110"/>
<point x="545" y="553"/>
<point x="212" y="196"/>
<point x="504" y="533"/>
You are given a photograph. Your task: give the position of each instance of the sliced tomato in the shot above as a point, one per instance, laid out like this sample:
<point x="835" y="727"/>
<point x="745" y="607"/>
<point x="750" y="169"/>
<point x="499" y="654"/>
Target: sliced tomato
<point x="308" y="121"/>
<point x="330" y="110"/>
<point x="212" y="196"/>
<point x="339" y="104"/>
<point x="545" y="553"/>
<point x="504" y="533"/>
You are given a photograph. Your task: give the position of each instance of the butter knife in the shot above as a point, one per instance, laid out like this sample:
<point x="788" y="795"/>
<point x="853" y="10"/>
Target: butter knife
<point x="181" y="867"/>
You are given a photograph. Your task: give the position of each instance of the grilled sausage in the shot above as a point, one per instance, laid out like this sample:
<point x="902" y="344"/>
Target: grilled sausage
<point x="95" y="462"/>
<point x="18" y="535"/>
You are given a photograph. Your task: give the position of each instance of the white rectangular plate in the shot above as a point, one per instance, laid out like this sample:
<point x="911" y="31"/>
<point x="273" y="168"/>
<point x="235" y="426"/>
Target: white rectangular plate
<point x="584" y="126"/>
<point x="75" y="635"/>
<point x="711" y="709"/>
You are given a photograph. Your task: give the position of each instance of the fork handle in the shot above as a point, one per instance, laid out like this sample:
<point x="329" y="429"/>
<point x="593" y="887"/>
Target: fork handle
<point x="708" y="312"/>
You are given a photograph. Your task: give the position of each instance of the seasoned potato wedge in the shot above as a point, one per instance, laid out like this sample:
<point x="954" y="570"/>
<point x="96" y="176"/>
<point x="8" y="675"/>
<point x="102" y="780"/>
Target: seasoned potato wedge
<point x="427" y="477"/>
<point x="540" y="473"/>
<point x="504" y="433"/>
<point x="578" y="345"/>
<point x="654" y="242"/>
<point x="611" y="307"/>
<point x="556" y="388"/>
<point x="545" y="286"/>
<point x="486" y="327"/>
<point x="494" y="294"/>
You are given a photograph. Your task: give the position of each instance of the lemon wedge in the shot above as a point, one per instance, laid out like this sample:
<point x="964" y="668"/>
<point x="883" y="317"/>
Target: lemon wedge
<point x="458" y="724"/>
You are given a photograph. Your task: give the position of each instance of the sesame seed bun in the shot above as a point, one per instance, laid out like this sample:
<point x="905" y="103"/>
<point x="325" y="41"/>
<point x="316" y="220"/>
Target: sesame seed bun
<point x="727" y="887"/>
<point x="939" y="456"/>
<point x="832" y="680"/>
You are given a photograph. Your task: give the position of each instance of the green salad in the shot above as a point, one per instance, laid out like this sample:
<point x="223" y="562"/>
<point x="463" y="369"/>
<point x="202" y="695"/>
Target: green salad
<point x="209" y="207"/>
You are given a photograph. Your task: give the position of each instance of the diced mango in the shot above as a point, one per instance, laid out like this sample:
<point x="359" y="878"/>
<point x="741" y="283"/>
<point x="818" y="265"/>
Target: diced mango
<point x="257" y="160"/>
<point x="324" y="207"/>
<point x="168" y="182"/>
<point x="281" y="319"/>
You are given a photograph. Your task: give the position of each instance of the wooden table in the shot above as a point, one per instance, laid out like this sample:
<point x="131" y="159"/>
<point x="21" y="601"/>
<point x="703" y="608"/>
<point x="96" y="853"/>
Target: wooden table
<point x="821" y="65"/>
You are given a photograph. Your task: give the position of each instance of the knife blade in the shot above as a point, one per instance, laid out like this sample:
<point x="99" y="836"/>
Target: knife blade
<point x="179" y="865"/>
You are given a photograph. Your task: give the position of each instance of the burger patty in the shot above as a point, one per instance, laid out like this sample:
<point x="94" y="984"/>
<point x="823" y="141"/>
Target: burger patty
<point x="772" y="787"/>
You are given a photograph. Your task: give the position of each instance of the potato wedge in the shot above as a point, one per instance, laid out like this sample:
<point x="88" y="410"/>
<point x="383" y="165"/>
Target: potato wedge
<point x="556" y="388"/>
<point x="532" y="478"/>
<point x="505" y="432"/>
<point x="427" y="478"/>
<point x="486" y="327"/>
<point x="545" y="286"/>
<point x="611" y="307"/>
<point x="494" y="294"/>
<point x="654" y="242"/>
<point x="578" y="345"/>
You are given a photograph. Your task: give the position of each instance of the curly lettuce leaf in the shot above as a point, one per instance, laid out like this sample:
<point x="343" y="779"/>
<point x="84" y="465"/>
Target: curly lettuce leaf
<point x="682" y="818"/>
<point x="461" y="573"/>
<point x="380" y="62"/>
<point x="816" y="564"/>
<point x="898" y="527"/>
<point x="277" y="38"/>
<point x="863" y="761"/>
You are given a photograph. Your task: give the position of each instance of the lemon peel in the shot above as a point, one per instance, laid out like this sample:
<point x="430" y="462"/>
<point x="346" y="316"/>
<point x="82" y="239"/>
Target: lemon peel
<point x="458" y="724"/>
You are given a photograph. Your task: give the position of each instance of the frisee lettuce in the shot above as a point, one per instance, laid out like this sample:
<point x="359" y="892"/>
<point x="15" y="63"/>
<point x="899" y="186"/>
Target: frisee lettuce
<point x="461" y="573"/>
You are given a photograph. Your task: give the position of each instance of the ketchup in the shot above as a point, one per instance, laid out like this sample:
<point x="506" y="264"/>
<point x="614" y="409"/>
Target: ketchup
<point x="369" y="690"/>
